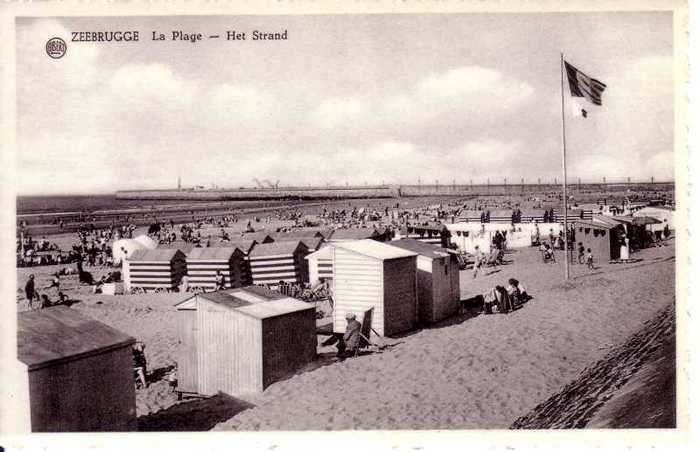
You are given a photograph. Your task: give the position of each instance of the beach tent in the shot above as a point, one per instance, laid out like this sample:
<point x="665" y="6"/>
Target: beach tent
<point x="437" y="276"/>
<point x="77" y="373"/>
<point x="203" y="263"/>
<point x="161" y="268"/>
<point x="370" y="274"/>
<point x="320" y="265"/>
<point x="239" y="341"/>
<point x="120" y="246"/>
<point x="147" y="242"/>
<point x="271" y="263"/>
<point x="664" y="215"/>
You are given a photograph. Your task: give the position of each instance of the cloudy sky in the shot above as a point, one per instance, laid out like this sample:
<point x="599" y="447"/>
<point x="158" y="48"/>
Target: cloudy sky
<point x="346" y="99"/>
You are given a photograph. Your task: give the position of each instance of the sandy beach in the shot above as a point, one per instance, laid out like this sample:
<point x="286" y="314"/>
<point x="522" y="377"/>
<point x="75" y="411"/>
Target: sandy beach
<point x="469" y="371"/>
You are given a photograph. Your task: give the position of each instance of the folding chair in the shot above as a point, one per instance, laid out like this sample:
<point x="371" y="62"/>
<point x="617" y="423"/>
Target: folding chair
<point x="365" y="332"/>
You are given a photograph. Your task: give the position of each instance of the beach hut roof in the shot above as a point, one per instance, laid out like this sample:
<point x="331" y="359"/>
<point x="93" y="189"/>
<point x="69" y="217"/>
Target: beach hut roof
<point x="181" y="245"/>
<point x="421" y="248"/>
<point x="212" y="253"/>
<point x="604" y="220"/>
<point x="259" y="237"/>
<point x="255" y="301"/>
<point x="645" y="220"/>
<point x="296" y="234"/>
<point x="147" y="241"/>
<point x="59" y="333"/>
<point x="374" y="249"/>
<point x="312" y="243"/>
<point x="243" y="245"/>
<point x="158" y="254"/>
<point x="353" y="234"/>
<point x="627" y="219"/>
<point x="276" y="248"/>
<point x="594" y="224"/>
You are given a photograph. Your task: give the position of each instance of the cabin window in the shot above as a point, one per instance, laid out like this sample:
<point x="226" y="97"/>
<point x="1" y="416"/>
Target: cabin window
<point x="445" y="269"/>
<point x="588" y="231"/>
<point x="602" y="233"/>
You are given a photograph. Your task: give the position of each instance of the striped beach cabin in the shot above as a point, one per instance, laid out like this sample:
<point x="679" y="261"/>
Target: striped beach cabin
<point x="203" y="263"/>
<point x="527" y="216"/>
<point x="161" y="268"/>
<point x="271" y="263"/>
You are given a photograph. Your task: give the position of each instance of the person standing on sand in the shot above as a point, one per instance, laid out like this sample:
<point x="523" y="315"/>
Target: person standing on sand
<point x="478" y="261"/>
<point x="589" y="259"/>
<point x="625" y="250"/>
<point x="29" y="291"/>
<point x="581" y="251"/>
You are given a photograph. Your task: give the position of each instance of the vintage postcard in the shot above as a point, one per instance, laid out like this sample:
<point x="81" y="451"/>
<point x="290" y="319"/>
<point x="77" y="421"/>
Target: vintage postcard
<point x="424" y="223"/>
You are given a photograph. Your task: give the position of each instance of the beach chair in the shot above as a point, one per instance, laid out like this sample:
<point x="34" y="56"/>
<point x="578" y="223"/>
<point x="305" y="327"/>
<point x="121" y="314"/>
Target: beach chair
<point x="365" y="332"/>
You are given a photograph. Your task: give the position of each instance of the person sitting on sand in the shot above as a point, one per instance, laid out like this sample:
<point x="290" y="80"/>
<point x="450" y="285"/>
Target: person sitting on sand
<point x="547" y="252"/>
<point x="498" y="297"/>
<point x="516" y="291"/>
<point x="55" y="281"/>
<point x="45" y="302"/>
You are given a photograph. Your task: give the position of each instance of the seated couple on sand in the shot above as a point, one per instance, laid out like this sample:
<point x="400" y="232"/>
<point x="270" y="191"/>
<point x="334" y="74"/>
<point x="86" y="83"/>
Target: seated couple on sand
<point x="505" y="299"/>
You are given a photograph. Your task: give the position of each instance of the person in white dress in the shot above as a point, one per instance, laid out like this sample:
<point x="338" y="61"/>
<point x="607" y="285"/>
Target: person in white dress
<point x="625" y="250"/>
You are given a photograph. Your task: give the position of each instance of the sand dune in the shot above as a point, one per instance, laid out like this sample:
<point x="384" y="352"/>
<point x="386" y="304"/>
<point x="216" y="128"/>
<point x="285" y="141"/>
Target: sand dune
<point x="633" y="387"/>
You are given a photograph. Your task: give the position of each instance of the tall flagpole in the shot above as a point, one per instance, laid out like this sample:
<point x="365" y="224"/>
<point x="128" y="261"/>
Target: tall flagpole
<point x="563" y="164"/>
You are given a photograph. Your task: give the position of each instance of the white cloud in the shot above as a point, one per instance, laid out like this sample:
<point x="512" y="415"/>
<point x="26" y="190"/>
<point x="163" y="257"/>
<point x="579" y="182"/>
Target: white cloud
<point x="229" y="101"/>
<point x="139" y="84"/>
<point x="336" y="111"/>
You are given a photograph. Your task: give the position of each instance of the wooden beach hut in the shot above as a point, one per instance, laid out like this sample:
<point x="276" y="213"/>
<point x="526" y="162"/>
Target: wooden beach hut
<point x="437" y="275"/>
<point x="240" y="341"/>
<point x="601" y="235"/>
<point x="203" y="263"/>
<point x="271" y="263"/>
<point x="76" y="372"/>
<point x="161" y="268"/>
<point x="370" y="274"/>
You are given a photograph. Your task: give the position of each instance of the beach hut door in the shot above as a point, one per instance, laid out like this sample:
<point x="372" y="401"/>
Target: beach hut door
<point x="187" y="362"/>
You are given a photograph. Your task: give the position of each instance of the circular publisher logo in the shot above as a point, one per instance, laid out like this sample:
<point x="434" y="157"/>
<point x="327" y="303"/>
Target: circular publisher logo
<point x="56" y="48"/>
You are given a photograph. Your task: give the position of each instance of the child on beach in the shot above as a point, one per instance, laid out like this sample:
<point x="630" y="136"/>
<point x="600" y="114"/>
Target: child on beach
<point x="589" y="259"/>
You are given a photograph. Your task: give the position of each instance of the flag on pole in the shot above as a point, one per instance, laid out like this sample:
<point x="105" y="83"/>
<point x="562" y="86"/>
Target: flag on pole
<point x="582" y="85"/>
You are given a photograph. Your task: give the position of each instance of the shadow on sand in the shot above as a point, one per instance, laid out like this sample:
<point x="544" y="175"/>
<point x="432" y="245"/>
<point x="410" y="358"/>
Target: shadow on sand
<point x="194" y="416"/>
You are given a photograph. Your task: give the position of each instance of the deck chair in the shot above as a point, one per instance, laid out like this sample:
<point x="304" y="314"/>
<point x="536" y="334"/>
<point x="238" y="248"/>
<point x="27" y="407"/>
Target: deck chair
<point x="365" y="332"/>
